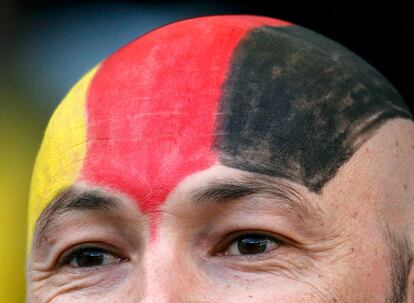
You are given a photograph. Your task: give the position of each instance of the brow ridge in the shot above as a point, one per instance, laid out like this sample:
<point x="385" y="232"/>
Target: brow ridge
<point x="222" y="191"/>
<point x="70" y="199"/>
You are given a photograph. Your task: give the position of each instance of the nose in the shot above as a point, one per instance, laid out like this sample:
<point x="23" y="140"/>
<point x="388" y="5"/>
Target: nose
<point x="170" y="276"/>
<point x="164" y="283"/>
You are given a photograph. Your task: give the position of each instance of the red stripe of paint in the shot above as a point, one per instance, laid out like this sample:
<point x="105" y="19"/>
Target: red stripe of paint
<point x="151" y="106"/>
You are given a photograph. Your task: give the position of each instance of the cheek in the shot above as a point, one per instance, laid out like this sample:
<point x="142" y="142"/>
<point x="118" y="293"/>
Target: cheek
<point x="269" y="288"/>
<point x="361" y="269"/>
<point x="370" y="273"/>
<point x="70" y="286"/>
<point x="277" y="280"/>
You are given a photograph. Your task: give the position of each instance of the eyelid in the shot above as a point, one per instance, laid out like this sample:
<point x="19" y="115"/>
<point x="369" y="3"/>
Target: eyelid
<point x="68" y="253"/>
<point x="223" y="244"/>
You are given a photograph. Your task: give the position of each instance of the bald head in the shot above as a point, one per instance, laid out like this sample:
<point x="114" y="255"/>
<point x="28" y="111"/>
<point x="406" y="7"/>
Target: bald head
<point x="227" y="106"/>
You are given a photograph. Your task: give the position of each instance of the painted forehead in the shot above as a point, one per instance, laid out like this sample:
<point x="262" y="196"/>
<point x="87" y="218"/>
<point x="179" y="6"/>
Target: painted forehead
<point x="253" y="93"/>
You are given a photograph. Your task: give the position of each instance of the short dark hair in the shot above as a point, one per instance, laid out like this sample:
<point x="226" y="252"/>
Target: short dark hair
<point x="400" y="261"/>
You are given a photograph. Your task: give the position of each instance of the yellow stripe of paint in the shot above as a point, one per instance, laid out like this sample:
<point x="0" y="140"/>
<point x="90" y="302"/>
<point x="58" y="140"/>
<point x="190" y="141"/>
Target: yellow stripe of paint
<point x="62" y="151"/>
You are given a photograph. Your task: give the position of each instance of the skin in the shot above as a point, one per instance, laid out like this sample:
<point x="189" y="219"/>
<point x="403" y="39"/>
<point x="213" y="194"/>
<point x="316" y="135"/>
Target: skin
<point x="278" y="170"/>
<point x="338" y="254"/>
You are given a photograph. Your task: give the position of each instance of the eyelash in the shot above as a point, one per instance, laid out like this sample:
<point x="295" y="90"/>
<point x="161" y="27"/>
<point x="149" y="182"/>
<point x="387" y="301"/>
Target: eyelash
<point x="69" y="254"/>
<point x="236" y="236"/>
<point x="66" y="258"/>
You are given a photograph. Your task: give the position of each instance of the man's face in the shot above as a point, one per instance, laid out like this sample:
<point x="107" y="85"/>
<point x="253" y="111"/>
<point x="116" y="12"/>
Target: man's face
<point x="278" y="170"/>
<point x="227" y="235"/>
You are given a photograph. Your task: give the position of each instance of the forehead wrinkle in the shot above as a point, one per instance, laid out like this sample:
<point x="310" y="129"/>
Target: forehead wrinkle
<point x="71" y="199"/>
<point x="248" y="185"/>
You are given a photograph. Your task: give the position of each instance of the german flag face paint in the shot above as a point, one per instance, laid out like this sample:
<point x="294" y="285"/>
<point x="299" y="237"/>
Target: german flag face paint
<point x="249" y="92"/>
<point x="62" y="152"/>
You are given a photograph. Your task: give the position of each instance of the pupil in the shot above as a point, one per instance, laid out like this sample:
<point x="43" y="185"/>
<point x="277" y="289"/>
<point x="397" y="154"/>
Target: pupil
<point x="89" y="258"/>
<point x="252" y="245"/>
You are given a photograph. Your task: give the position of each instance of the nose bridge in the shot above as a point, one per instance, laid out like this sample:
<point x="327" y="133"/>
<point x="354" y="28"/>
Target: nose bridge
<point x="168" y="273"/>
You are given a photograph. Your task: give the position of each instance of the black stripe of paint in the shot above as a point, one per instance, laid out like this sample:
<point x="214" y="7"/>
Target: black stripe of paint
<point x="297" y="105"/>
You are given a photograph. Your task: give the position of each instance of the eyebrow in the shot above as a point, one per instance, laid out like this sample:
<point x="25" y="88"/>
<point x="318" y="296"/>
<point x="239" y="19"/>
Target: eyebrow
<point x="214" y="193"/>
<point x="73" y="199"/>
<point x="282" y="194"/>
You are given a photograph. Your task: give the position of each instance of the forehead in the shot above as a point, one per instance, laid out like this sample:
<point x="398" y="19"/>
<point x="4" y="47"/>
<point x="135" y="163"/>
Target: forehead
<point x="277" y="99"/>
<point x="153" y="107"/>
<point x="251" y="93"/>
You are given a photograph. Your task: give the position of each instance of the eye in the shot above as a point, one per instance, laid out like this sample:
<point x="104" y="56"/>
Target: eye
<point x="252" y="244"/>
<point x="89" y="257"/>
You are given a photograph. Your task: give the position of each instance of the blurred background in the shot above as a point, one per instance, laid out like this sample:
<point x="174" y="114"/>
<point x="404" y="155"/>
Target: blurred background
<point x="46" y="46"/>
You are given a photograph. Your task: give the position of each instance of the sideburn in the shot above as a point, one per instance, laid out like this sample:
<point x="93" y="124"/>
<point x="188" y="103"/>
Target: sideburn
<point x="400" y="261"/>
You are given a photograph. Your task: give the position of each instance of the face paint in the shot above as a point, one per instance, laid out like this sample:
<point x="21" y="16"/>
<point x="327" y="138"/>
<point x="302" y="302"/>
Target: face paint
<point x="253" y="93"/>
<point x="149" y="112"/>
<point x="61" y="154"/>
<point x="297" y="105"/>
<point x="152" y="107"/>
